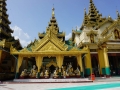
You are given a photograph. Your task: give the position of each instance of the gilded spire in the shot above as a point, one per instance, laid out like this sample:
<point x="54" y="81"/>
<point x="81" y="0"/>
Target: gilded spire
<point x="53" y="21"/>
<point x="91" y="1"/>
<point x="85" y="11"/>
<point x="93" y="18"/>
<point x="93" y="13"/>
<point x="118" y="15"/>
<point x="85" y="17"/>
<point x="53" y="13"/>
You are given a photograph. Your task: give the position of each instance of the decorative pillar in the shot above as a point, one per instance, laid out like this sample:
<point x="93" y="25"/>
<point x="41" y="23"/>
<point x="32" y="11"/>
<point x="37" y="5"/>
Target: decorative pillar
<point x="88" y="66"/>
<point x="106" y="61"/>
<point x="39" y="64"/>
<point x="59" y="59"/>
<point x="19" y="62"/>
<point x="79" y="60"/>
<point x="101" y="62"/>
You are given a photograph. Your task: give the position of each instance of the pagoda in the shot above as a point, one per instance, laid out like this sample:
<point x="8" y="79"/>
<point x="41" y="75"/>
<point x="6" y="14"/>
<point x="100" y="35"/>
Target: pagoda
<point x="7" y="61"/>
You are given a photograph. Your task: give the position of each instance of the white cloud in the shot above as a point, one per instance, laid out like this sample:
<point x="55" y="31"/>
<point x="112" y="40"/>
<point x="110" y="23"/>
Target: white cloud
<point x="68" y="36"/>
<point x="21" y="35"/>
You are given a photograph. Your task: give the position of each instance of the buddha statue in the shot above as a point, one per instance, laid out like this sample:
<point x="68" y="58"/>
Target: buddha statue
<point x="24" y="73"/>
<point x="46" y="74"/>
<point x="33" y="72"/>
<point x="77" y="72"/>
<point x="41" y="74"/>
<point x="57" y="70"/>
<point x="92" y="38"/>
<point x="70" y="70"/>
<point x="64" y="74"/>
<point x="116" y="33"/>
<point x="55" y="74"/>
<point x="67" y="74"/>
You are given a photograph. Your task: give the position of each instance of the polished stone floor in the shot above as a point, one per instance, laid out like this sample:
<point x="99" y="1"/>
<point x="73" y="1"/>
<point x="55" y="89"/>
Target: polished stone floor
<point x="98" y="84"/>
<point x="56" y="86"/>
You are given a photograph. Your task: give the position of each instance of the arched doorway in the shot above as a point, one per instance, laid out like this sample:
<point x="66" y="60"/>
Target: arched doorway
<point x="51" y="66"/>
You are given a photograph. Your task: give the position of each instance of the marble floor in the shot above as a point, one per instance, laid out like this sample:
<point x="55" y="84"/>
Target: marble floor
<point x="52" y="86"/>
<point x="112" y="83"/>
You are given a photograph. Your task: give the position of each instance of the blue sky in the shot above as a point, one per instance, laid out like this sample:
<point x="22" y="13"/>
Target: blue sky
<point x="29" y="17"/>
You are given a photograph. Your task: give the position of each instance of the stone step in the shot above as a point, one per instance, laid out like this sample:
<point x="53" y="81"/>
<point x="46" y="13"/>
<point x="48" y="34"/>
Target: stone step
<point x="52" y="80"/>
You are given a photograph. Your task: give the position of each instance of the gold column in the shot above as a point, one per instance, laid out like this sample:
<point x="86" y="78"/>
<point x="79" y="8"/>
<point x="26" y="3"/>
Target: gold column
<point x="19" y="62"/>
<point x="59" y="59"/>
<point x="39" y="63"/>
<point x="106" y="61"/>
<point x="79" y="60"/>
<point x="101" y="61"/>
<point x="105" y="57"/>
<point x="88" y="65"/>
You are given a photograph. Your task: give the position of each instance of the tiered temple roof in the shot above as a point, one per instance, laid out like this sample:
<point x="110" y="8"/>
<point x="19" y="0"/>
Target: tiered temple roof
<point x="53" y="22"/>
<point x="5" y="30"/>
<point x="93" y="18"/>
<point x="51" y="40"/>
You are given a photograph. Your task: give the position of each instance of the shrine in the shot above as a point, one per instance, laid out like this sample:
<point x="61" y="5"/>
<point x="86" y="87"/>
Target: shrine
<point x="52" y="55"/>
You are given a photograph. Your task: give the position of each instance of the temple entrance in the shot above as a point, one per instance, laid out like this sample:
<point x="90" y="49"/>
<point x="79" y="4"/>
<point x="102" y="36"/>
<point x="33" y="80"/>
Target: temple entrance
<point x="95" y="66"/>
<point x="52" y="68"/>
<point x="114" y="63"/>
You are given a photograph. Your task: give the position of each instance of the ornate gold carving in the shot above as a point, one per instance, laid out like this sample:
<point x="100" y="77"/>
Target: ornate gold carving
<point x="49" y="47"/>
<point x="51" y="63"/>
<point x="85" y="48"/>
<point x="2" y="43"/>
<point x="104" y="39"/>
<point x="116" y="34"/>
<point x="12" y="49"/>
<point x="94" y="32"/>
<point x="105" y="21"/>
<point x="110" y="27"/>
<point x="92" y="38"/>
<point x="24" y="50"/>
<point x="74" y="49"/>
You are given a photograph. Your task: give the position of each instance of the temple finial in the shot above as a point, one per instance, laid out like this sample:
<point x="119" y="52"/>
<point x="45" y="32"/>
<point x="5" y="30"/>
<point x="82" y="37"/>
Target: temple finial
<point x="91" y="1"/>
<point x="85" y="11"/>
<point x="53" y="14"/>
<point x="117" y="13"/>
